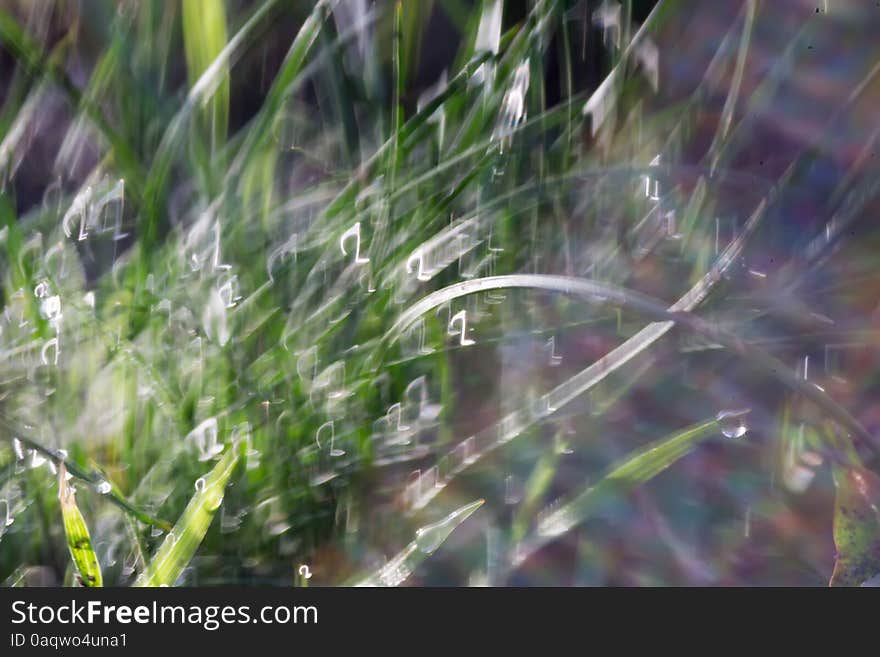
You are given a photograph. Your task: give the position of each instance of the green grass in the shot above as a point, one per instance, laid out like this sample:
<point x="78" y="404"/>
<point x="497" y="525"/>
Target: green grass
<point x="78" y="539"/>
<point x="292" y="297"/>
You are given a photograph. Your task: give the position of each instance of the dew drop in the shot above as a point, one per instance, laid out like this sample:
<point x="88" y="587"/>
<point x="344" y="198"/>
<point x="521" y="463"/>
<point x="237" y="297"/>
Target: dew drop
<point x="103" y="487"/>
<point x="732" y="423"/>
<point x="213" y="502"/>
<point x="200" y="484"/>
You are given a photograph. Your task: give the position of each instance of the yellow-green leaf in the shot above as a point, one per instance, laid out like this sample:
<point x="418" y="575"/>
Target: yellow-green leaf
<point x="184" y="539"/>
<point x="78" y="540"/>
<point x="204" y="35"/>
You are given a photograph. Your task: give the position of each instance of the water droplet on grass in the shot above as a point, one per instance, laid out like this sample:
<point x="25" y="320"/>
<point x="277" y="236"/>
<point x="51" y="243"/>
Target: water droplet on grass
<point x="732" y="423"/>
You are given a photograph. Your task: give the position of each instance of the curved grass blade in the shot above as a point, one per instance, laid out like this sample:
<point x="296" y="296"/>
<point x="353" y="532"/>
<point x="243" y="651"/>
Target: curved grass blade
<point x="78" y="540"/>
<point x="516" y="422"/>
<point x="182" y="542"/>
<point x="639" y="467"/>
<point x="676" y="314"/>
<point x="679" y="313"/>
<point x="427" y="540"/>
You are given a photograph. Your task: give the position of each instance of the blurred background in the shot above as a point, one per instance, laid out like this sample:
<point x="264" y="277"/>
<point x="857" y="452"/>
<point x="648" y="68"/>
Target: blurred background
<point x="441" y="292"/>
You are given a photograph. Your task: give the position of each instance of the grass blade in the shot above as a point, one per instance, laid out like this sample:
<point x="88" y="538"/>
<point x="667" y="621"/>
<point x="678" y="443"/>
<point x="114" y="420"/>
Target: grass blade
<point x="428" y="539"/>
<point x="78" y="540"/>
<point x="92" y="478"/>
<point x="536" y="487"/>
<point x="639" y="467"/>
<point x="514" y="423"/>
<point x="259" y="133"/>
<point x="182" y="542"/>
<point x="204" y="36"/>
<point x="199" y="94"/>
<point x="48" y="65"/>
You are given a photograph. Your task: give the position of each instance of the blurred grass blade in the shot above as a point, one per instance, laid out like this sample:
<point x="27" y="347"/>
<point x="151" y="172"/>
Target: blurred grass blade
<point x="345" y="198"/>
<point x="260" y="134"/>
<point x="78" y="540"/>
<point x="199" y="94"/>
<point x="513" y="424"/>
<point x="182" y="542"/>
<point x="856" y="525"/>
<point x="428" y="539"/>
<point x="50" y="65"/>
<point x="536" y="487"/>
<point x="641" y="466"/>
<point x="30" y="576"/>
<point x="414" y="18"/>
<point x="92" y="478"/>
<point x="204" y="36"/>
<point x="735" y="83"/>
